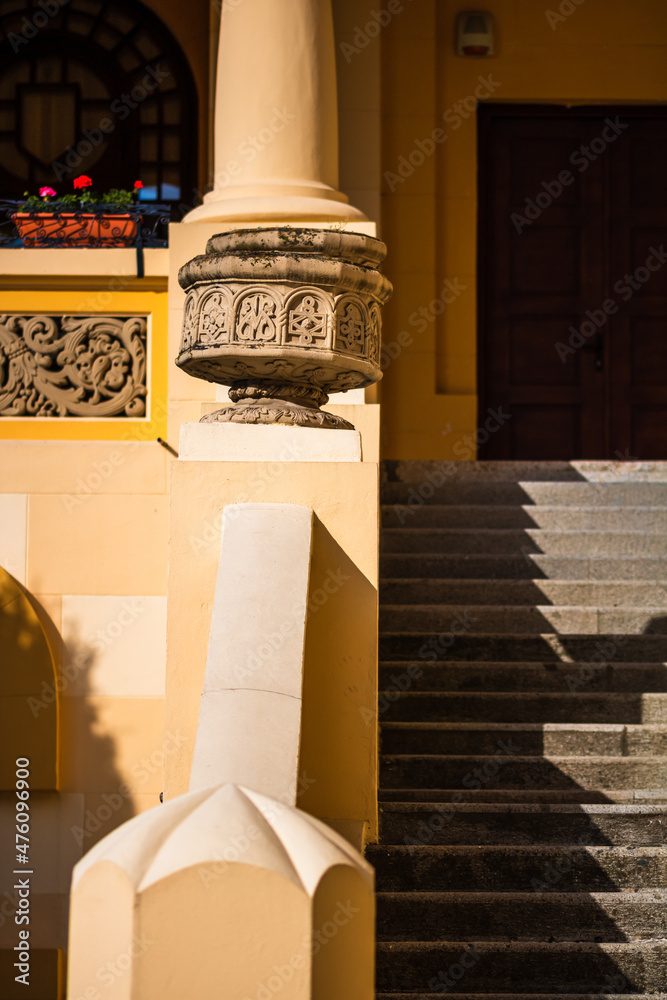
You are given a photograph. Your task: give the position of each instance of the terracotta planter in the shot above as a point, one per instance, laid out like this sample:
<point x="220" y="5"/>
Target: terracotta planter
<point x="76" y="229"/>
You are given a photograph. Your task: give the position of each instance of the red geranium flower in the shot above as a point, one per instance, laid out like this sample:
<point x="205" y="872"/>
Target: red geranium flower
<point x="83" y="181"/>
<point x="47" y="192"/>
<point x="138" y="185"/>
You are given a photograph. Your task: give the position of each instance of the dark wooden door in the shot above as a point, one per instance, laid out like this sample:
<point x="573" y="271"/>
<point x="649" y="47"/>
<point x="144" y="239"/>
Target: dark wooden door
<point x="573" y="281"/>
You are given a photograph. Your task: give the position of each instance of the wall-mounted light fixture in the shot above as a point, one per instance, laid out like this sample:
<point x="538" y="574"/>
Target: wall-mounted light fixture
<point x="474" y="33"/>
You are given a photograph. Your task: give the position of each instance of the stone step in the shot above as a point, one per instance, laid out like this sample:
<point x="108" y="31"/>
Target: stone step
<point x="521" y="996"/>
<point x="562" y="968"/>
<point x="400" y="675"/>
<point x="527" y="516"/>
<point x="529" y="620"/>
<point x="513" y="823"/>
<point x="517" y="868"/>
<point x="534" y="796"/>
<point x="413" y="496"/>
<point x="507" y="768"/>
<point x="453" y="643"/>
<point x="533" y="471"/>
<point x="595" y="593"/>
<point x="499" y="541"/>
<point x="522" y="916"/>
<point x="535" y="739"/>
<point x="531" y="566"/>
<point x="525" y="706"/>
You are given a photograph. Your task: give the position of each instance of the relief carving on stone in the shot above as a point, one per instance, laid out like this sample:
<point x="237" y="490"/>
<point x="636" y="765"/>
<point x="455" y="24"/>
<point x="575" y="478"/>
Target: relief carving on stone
<point x="284" y="316"/>
<point x="257" y="320"/>
<point x="307" y="320"/>
<point x="214" y="318"/>
<point x="374" y="334"/>
<point x="190" y="319"/>
<point x="351" y="323"/>
<point x="72" y="366"/>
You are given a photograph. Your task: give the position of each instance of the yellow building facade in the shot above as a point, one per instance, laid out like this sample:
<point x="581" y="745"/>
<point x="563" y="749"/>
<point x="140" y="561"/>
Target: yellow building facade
<point x="109" y="548"/>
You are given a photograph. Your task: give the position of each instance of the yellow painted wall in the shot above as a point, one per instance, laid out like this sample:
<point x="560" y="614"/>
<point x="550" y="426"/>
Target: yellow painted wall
<point x="83" y="528"/>
<point x="605" y="51"/>
<point x="338" y="755"/>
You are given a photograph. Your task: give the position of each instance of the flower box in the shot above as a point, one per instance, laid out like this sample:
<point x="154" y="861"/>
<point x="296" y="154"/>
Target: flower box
<point x="76" y="229"/>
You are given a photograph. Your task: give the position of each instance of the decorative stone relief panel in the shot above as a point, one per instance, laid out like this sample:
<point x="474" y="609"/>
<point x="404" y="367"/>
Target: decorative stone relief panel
<point x="190" y="319"/>
<point x="72" y="366"/>
<point x="214" y="318"/>
<point x="351" y="323"/>
<point x="256" y="318"/>
<point x="306" y="319"/>
<point x="374" y="334"/>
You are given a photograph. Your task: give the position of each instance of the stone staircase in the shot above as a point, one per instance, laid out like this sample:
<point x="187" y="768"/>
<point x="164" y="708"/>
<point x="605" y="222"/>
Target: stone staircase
<point x="523" y="716"/>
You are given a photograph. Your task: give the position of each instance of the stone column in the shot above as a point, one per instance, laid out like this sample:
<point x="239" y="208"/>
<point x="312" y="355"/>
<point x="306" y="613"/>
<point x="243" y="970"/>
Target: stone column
<point x="276" y="116"/>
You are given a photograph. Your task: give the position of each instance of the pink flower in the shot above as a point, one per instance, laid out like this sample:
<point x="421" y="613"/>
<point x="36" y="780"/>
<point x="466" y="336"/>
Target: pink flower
<point x="83" y="181"/>
<point x="138" y="185"/>
<point x="47" y="192"/>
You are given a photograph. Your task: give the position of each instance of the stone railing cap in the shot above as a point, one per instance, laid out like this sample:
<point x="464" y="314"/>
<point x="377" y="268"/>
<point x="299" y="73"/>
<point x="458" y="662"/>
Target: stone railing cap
<point x="356" y="248"/>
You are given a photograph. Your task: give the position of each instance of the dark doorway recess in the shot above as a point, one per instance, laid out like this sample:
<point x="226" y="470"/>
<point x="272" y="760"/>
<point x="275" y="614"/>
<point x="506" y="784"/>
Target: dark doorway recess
<point x="572" y="337"/>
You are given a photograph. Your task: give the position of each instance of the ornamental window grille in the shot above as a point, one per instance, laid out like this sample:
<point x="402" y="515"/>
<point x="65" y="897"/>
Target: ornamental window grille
<point x="96" y="87"/>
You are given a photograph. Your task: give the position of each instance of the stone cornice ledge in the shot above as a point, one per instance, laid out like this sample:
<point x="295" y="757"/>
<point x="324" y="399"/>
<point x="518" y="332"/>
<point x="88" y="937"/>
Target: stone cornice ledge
<point x="84" y="262"/>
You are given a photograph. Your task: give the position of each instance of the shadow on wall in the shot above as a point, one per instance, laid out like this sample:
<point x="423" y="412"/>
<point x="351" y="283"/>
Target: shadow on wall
<point x="338" y="751"/>
<point x="39" y="737"/>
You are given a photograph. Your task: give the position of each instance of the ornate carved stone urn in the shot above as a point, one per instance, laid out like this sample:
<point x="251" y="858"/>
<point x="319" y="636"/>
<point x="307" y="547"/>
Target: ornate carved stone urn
<point x="284" y="317"/>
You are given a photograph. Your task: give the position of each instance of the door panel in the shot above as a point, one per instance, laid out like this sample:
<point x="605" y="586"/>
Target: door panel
<point x="562" y="232"/>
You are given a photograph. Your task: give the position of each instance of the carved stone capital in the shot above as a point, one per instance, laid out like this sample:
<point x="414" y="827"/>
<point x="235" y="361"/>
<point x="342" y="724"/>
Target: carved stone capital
<point x="285" y="317"/>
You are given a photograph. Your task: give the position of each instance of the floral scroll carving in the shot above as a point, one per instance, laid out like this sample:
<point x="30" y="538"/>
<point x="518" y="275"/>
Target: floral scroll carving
<point x="72" y="366"/>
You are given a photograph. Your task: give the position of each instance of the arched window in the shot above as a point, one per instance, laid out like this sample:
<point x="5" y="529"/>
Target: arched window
<point x="96" y="87"/>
